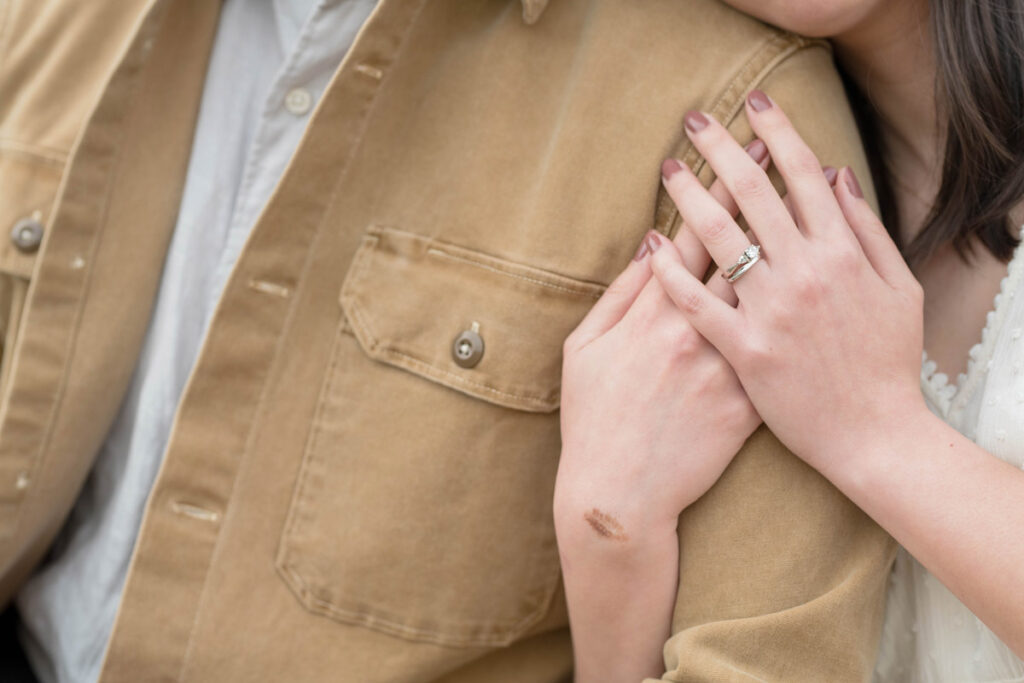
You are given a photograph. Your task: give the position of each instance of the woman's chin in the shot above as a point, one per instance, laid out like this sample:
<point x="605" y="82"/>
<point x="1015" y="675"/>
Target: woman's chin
<point x="813" y="18"/>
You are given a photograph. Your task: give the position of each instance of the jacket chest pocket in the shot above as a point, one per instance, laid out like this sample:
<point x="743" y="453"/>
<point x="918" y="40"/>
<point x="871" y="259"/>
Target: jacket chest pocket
<point x="423" y="504"/>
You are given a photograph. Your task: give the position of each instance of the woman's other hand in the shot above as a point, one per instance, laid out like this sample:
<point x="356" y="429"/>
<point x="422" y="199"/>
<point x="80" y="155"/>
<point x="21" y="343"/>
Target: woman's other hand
<point x="651" y="416"/>
<point x="827" y="335"/>
<point x="651" y="412"/>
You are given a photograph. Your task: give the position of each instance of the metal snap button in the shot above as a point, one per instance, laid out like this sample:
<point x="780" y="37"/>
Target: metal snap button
<point x="468" y="347"/>
<point x="27" y="234"/>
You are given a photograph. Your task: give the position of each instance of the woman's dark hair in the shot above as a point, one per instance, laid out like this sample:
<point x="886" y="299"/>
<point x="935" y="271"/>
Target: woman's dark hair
<point x="979" y="52"/>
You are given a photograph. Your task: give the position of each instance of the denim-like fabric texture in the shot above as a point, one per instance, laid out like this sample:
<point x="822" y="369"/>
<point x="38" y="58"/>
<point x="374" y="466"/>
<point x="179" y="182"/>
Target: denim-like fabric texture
<point x="341" y="500"/>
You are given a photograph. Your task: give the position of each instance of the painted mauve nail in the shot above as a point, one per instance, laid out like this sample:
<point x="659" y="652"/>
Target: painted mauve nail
<point x="695" y="121"/>
<point x="759" y="101"/>
<point x="670" y="167"/>
<point x="830" y="175"/>
<point x="642" y="250"/>
<point x="653" y="241"/>
<point x="853" y="184"/>
<point x="757" y="150"/>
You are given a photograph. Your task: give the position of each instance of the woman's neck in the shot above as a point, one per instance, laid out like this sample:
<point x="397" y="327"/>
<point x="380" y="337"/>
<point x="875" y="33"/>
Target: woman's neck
<point x="889" y="56"/>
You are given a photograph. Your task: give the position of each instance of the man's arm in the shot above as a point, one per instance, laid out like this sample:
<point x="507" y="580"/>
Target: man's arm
<point x="781" y="577"/>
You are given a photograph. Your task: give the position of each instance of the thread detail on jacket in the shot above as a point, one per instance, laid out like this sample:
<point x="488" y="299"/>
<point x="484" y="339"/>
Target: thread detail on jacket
<point x="194" y="511"/>
<point x="22" y="482"/>
<point x="271" y="288"/>
<point x="371" y="71"/>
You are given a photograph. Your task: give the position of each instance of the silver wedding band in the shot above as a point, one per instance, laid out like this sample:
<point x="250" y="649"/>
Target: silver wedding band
<point x="750" y="256"/>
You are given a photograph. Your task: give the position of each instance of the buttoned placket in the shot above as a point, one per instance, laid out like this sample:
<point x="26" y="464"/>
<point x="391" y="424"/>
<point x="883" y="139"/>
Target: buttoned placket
<point x="285" y="111"/>
<point x="211" y="432"/>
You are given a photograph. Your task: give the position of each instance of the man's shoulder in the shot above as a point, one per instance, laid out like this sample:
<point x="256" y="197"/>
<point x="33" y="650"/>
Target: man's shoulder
<point x="57" y="46"/>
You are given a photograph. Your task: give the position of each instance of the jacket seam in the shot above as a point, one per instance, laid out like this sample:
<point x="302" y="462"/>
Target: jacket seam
<point x="777" y="48"/>
<point x="47" y="155"/>
<point x="6" y="9"/>
<point x="499" y="264"/>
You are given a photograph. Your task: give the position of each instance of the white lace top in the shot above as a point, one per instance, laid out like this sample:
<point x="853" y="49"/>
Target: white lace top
<point x="929" y="636"/>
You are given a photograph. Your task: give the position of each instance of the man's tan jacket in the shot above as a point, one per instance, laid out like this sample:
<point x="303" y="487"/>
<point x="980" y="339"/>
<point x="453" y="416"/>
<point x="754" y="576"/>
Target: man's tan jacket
<point x="344" y="498"/>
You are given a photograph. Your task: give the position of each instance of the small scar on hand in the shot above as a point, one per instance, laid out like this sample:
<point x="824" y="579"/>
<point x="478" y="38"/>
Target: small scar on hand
<point x="605" y="525"/>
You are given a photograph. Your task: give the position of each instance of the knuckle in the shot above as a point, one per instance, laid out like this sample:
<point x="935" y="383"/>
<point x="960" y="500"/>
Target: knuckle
<point x="751" y="184"/>
<point x="800" y="162"/>
<point x="872" y="226"/>
<point x="753" y="354"/>
<point x="735" y="405"/>
<point x="689" y="301"/>
<point x="779" y="309"/>
<point x="846" y="257"/>
<point x="715" y="227"/>
<point x="682" y="339"/>
<point x="807" y="286"/>
<point x="724" y="372"/>
<point x="717" y="135"/>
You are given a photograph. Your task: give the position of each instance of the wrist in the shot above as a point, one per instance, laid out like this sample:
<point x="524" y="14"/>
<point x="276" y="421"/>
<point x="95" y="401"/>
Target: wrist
<point x="631" y="561"/>
<point x="861" y="458"/>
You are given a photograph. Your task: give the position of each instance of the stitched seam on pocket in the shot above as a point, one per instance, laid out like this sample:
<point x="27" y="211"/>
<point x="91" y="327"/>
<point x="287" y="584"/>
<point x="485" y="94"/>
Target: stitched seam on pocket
<point x="375" y="345"/>
<point x="382" y="620"/>
<point x="503" y="266"/>
<point x="435" y="251"/>
<point x="293" y="524"/>
<point x="374" y="617"/>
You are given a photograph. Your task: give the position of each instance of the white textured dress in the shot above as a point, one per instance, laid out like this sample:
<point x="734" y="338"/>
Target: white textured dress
<point x="929" y="636"/>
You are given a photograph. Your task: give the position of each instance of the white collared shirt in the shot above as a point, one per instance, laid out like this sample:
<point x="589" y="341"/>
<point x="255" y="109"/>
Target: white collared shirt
<point x="271" y="62"/>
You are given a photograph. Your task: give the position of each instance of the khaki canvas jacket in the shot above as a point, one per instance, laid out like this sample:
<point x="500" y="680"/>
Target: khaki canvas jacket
<point x="341" y="498"/>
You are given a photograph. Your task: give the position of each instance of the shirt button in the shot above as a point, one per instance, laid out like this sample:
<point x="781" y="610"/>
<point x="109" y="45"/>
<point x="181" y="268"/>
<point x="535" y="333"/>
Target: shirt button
<point x="468" y="347"/>
<point x="298" y="101"/>
<point x="27" y="234"/>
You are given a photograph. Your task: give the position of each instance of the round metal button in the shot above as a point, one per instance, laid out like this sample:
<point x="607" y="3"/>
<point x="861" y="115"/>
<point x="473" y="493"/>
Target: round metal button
<point x="27" y="234"/>
<point x="298" y="101"/>
<point x="468" y="348"/>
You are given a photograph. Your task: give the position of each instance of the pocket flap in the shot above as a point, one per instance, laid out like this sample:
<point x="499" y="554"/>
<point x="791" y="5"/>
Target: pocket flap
<point x="408" y="297"/>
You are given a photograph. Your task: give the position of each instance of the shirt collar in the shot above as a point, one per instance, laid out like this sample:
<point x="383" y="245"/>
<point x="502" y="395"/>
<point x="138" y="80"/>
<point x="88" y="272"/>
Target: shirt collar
<point x="532" y="9"/>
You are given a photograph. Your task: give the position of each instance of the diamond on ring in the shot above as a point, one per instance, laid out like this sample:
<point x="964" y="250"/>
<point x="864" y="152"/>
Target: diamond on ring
<point x="745" y="262"/>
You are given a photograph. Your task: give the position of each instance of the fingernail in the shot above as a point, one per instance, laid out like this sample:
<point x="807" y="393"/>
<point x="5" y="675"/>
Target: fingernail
<point x="757" y="150"/>
<point x="653" y="241"/>
<point x="830" y="175"/>
<point x="643" y="249"/>
<point x="670" y="167"/>
<point x="853" y="184"/>
<point x="759" y="101"/>
<point x="695" y="121"/>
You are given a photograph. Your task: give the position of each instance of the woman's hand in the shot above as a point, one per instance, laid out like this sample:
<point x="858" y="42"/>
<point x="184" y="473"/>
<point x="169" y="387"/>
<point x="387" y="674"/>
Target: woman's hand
<point x="826" y="340"/>
<point x="651" y="412"/>
<point x="651" y="416"/>
<point x="827" y="336"/>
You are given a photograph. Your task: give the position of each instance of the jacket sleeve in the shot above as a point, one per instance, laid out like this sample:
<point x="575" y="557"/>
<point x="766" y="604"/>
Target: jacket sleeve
<point x="781" y="577"/>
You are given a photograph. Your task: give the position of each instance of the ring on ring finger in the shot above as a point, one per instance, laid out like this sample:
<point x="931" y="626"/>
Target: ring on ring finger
<point x="747" y="260"/>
